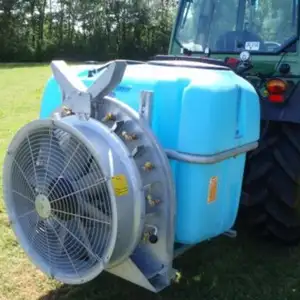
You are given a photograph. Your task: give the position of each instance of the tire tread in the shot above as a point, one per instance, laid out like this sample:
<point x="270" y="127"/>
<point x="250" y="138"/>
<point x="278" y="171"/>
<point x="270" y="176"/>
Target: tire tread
<point x="272" y="184"/>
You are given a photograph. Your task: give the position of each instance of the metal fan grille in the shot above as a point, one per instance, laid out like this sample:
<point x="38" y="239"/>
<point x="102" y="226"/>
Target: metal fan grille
<point x="60" y="202"/>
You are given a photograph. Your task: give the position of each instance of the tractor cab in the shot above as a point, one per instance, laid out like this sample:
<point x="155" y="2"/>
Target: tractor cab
<point x="259" y="40"/>
<point x="265" y="31"/>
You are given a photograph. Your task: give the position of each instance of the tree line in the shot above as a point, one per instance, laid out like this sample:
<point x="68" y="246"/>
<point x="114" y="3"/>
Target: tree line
<point x="40" y="30"/>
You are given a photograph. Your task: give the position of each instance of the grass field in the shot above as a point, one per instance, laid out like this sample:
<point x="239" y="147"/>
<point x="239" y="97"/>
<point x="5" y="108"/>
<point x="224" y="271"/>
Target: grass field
<point x="222" y="269"/>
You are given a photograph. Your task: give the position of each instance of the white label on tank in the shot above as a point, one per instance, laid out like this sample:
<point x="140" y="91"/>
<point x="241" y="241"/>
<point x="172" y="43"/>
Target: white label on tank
<point x="254" y="46"/>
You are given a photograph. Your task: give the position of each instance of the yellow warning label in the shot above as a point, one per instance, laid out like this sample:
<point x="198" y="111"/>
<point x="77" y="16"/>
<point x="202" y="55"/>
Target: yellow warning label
<point x="120" y="185"/>
<point x="212" y="190"/>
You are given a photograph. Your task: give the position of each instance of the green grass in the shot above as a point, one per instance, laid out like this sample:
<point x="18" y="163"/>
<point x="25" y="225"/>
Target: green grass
<point x="222" y="269"/>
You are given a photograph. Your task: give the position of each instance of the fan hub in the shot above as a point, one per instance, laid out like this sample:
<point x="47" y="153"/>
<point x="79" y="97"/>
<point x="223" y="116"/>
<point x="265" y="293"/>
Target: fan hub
<point x="42" y="206"/>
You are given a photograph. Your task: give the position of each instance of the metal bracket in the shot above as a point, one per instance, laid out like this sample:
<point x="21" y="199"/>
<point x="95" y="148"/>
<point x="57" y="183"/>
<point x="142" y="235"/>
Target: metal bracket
<point x="76" y="96"/>
<point x="210" y="159"/>
<point x="146" y="103"/>
<point x="151" y="262"/>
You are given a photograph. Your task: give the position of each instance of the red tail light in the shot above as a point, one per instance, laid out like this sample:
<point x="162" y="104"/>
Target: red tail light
<point x="276" y="89"/>
<point x="231" y="62"/>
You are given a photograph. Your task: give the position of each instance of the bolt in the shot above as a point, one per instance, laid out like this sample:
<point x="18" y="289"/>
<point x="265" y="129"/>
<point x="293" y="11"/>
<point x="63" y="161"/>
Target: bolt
<point x="129" y="137"/>
<point x="146" y="236"/>
<point x="152" y="202"/>
<point x="148" y="166"/>
<point x="177" y="277"/>
<point x="109" y="117"/>
<point x="67" y="111"/>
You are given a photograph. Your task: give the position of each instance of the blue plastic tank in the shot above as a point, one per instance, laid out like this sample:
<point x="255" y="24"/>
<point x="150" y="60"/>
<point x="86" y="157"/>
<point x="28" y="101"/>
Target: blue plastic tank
<point x="200" y="110"/>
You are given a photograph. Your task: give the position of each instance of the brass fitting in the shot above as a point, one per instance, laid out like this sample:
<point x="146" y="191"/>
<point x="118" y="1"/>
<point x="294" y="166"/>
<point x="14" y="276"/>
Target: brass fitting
<point x="150" y="237"/>
<point x="145" y="237"/>
<point x="148" y="166"/>
<point x="109" y="117"/>
<point x="177" y="277"/>
<point x="152" y="202"/>
<point x="66" y="111"/>
<point x="129" y="137"/>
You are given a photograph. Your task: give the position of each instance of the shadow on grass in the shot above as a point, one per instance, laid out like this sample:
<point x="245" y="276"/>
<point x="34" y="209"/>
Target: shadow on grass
<point x="222" y="269"/>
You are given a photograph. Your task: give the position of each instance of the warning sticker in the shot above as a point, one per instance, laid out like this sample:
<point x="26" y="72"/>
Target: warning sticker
<point x="252" y="46"/>
<point x="212" y="189"/>
<point x="120" y="185"/>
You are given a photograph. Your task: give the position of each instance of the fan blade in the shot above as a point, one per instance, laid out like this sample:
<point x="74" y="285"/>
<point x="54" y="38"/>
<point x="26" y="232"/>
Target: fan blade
<point x="90" y="179"/>
<point x="67" y="144"/>
<point x="51" y="156"/>
<point x="23" y="170"/>
<point x="80" y="239"/>
<point x="83" y="236"/>
<point x="63" y="248"/>
<point x="74" y="168"/>
<point x="40" y="180"/>
<point x="37" y="231"/>
<point x="93" y="212"/>
<point x="89" y="192"/>
<point x="61" y="235"/>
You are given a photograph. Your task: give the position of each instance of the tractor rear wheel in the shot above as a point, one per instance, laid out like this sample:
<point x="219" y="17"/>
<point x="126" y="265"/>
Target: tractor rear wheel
<point x="270" y="204"/>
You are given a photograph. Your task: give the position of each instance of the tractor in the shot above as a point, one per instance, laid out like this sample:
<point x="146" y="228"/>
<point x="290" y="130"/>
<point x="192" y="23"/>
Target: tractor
<point x="260" y="41"/>
<point x="132" y="163"/>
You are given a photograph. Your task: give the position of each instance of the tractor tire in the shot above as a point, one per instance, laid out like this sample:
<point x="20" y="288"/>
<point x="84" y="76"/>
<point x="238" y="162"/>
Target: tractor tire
<point x="270" y="205"/>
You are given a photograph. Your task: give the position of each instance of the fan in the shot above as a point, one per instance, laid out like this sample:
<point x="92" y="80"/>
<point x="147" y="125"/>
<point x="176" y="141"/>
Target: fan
<point x="61" y="203"/>
<point x="78" y="189"/>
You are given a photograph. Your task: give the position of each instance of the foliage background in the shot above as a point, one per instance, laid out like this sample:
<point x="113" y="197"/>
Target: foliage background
<point x="76" y="30"/>
<point x="40" y="30"/>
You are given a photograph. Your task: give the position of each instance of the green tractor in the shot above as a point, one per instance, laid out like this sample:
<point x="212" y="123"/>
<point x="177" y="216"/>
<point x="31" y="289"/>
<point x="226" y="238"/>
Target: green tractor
<point x="259" y="39"/>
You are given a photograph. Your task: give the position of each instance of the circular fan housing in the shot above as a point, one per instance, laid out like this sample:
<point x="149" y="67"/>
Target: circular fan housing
<point x="74" y="197"/>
